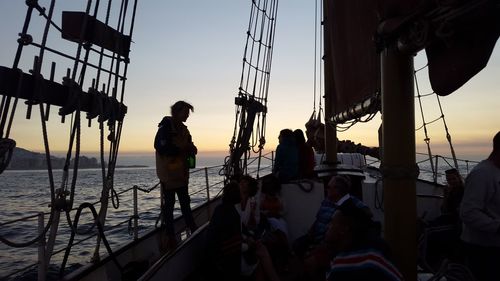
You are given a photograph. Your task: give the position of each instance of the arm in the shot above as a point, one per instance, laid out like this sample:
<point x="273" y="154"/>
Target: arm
<point x="192" y="149"/>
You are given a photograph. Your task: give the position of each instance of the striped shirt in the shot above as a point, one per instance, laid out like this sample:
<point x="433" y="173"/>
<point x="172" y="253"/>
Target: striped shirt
<point x="363" y="264"/>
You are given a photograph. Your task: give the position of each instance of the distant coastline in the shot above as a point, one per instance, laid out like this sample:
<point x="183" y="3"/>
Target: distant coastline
<point x="23" y="159"/>
<point x="132" y="166"/>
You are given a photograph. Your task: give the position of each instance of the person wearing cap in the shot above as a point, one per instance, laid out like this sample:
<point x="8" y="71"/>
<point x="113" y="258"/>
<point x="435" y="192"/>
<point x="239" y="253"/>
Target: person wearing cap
<point x="173" y="145"/>
<point x="308" y="247"/>
<point x="480" y="213"/>
<point x="357" y="253"/>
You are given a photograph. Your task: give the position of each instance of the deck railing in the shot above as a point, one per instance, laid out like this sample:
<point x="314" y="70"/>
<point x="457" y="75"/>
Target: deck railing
<point x="205" y="192"/>
<point x="435" y="171"/>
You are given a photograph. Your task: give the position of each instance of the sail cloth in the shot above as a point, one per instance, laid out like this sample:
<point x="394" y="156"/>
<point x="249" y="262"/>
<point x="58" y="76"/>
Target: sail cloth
<point x="350" y="27"/>
<point x="459" y="37"/>
<point x="463" y="51"/>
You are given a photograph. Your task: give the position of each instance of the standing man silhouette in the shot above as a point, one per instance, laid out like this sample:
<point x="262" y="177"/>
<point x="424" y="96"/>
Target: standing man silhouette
<point x="173" y="145"/>
<point x="480" y="213"/>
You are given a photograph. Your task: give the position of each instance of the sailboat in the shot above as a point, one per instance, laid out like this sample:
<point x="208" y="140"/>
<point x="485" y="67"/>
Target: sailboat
<point x="367" y="70"/>
<point x="369" y="49"/>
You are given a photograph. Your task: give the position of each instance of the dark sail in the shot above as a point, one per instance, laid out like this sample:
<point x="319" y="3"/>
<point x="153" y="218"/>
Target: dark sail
<point x="464" y="47"/>
<point x="458" y="36"/>
<point x="350" y="28"/>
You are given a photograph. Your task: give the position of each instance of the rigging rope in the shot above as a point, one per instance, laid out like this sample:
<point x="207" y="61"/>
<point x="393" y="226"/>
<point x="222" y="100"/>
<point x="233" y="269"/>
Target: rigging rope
<point x="114" y="129"/>
<point x="314" y="125"/>
<point x="36" y="73"/>
<point x="424" y="125"/>
<point x="101" y="234"/>
<point x="427" y="139"/>
<point x="315" y="51"/>
<point x="251" y="103"/>
<point x="7" y="110"/>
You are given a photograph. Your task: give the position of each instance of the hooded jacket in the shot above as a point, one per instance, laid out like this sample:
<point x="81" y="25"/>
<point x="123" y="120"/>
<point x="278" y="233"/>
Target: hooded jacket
<point x="173" y="144"/>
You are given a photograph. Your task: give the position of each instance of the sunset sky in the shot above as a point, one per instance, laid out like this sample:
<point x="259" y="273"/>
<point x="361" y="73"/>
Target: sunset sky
<point x="192" y="50"/>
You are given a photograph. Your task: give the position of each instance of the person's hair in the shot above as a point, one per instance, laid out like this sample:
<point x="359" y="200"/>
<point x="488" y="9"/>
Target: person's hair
<point x="358" y="219"/>
<point x="286" y="133"/>
<point x="231" y="193"/>
<point x="496" y="142"/>
<point x="178" y="106"/>
<point x="270" y="185"/>
<point x="252" y="184"/>
<point x="342" y="183"/>
<point x="299" y="136"/>
<point x="451" y="171"/>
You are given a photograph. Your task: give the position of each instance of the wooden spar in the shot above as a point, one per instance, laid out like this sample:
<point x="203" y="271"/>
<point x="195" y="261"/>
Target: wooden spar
<point x="398" y="161"/>
<point x="368" y="106"/>
<point x="330" y="127"/>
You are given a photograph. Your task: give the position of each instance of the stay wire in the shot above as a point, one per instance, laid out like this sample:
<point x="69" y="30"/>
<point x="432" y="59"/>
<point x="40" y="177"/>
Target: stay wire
<point x="427" y="139"/>
<point x="5" y="106"/>
<point x="315" y="52"/>
<point x="101" y="52"/>
<point x="321" y="65"/>
<point x="448" y="135"/>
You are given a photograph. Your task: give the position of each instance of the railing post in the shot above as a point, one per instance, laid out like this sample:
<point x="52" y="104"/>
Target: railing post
<point x="272" y="161"/>
<point x="42" y="268"/>
<point x="207" y="184"/>
<point x="437" y="170"/>
<point x="136" y="214"/>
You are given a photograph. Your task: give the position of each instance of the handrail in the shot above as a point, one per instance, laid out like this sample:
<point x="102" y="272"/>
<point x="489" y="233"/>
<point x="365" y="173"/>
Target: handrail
<point x="439" y="168"/>
<point x="206" y="186"/>
<point x="202" y="188"/>
<point x="110" y="228"/>
<point x="370" y="162"/>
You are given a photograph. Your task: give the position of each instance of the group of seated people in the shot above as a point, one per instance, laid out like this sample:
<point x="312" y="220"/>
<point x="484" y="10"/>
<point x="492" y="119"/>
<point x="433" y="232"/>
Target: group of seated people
<point x="247" y="237"/>
<point x="243" y="231"/>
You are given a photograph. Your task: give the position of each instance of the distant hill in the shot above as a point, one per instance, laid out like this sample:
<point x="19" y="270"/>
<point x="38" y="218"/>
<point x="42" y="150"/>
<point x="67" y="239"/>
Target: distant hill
<point x="23" y="159"/>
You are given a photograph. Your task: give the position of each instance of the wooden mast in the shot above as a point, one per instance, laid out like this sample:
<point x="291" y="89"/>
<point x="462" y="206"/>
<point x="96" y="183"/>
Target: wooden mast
<point x="398" y="161"/>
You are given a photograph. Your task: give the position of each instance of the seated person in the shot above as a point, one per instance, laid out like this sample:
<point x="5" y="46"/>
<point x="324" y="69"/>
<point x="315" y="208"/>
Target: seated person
<point x="232" y="255"/>
<point x="249" y="206"/>
<point x="276" y="230"/>
<point x="338" y="189"/>
<point x="224" y="238"/>
<point x="453" y="194"/>
<point x="357" y="253"/>
<point x="440" y="237"/>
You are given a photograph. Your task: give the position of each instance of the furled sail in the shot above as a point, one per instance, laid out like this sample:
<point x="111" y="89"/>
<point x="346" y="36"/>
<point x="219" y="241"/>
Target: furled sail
<point x="350" y="28"/>
<point x="458" y="36"/>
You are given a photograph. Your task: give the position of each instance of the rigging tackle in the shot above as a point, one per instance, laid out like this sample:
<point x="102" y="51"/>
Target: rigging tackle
<point x="251" y="102"/>
<point x="95" y="40"/>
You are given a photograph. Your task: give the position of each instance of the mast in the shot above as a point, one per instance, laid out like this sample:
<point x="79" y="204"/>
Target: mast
<point x="398" y="160"/>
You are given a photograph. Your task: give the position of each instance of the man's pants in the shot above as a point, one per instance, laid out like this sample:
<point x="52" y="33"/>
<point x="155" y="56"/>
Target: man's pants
<point x="168" y="208"/>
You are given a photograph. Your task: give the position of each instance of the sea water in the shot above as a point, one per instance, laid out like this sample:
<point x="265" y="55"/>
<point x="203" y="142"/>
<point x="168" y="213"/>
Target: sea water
<point x="26" y="193"/>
